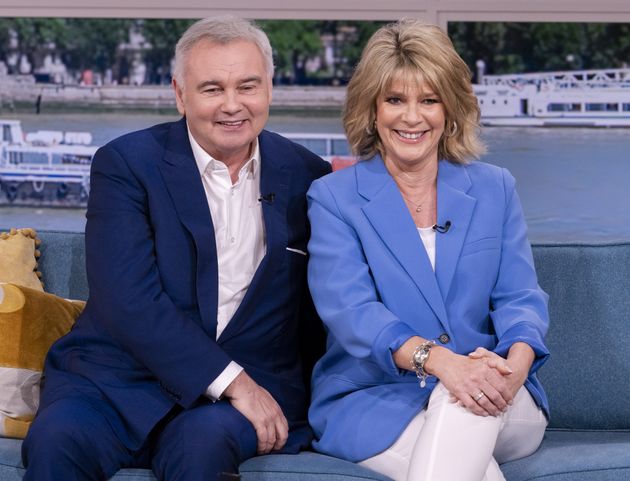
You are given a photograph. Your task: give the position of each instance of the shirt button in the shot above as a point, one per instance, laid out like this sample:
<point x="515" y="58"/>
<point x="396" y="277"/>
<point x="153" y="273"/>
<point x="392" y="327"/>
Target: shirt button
<point x="444" y="338"/>
<point x="232" y="240"/>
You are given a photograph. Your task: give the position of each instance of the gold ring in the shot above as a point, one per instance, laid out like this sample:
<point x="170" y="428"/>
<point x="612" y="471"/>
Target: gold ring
<point x="478" y="396"/>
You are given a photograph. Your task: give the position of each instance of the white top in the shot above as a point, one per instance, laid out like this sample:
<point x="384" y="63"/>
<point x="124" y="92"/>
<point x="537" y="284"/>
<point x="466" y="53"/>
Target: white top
<point x="427" y="234"/>
<point x="240" y="238"/>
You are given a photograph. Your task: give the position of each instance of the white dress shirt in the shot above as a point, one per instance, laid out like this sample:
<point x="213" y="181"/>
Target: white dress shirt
<point x="240" y="238"/>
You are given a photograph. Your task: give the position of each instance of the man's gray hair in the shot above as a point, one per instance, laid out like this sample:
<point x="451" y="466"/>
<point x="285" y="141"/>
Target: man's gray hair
<point x="222" y="30"/>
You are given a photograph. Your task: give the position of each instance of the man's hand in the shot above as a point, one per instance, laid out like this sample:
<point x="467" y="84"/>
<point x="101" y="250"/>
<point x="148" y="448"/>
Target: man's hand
<point x="261" y="409"/>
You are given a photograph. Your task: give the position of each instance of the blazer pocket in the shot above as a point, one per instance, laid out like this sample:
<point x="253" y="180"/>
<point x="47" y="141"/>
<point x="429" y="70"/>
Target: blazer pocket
<point x="487" y="243"/>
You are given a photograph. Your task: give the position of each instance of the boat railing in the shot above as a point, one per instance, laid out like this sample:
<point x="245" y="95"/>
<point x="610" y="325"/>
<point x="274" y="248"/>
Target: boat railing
<point x="570" y="79"/>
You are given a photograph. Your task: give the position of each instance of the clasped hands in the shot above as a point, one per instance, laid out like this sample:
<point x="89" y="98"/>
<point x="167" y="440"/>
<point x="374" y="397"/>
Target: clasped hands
<point x="483" y="382"/>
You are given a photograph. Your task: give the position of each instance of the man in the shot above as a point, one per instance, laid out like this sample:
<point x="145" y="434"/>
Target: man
<point x="186" y="357"/>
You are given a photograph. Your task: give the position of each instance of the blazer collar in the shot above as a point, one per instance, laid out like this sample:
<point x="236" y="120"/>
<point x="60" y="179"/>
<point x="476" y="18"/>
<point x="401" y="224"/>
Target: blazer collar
<point x="457" y="206"/>
<point x="183" y="182"/>
<point x="388" y="214"/>
<point x="274" y="183"/>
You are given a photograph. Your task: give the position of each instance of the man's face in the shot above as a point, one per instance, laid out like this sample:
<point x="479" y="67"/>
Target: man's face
<point x="225" y="97"/>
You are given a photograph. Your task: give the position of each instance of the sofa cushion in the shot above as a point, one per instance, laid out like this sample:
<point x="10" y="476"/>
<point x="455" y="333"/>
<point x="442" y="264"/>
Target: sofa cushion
<point x="276" y="467"/>
<point x="30" y="321"/>
<point x="18" y="258"/>
<point x="589" y="335"/>
<point x="63" y="264"/>
<point x="575" y="456"/>
<point x="305" y="466"/>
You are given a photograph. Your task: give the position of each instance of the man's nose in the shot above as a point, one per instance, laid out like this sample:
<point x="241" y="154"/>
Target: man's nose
<point x="231" y="102"/>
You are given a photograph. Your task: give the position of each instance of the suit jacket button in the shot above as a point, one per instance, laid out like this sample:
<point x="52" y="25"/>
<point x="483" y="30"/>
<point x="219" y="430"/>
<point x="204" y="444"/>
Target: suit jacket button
<point x="444" y="338"/>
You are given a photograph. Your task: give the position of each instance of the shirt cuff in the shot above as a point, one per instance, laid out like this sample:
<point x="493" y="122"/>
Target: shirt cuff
<point x="222" y="381"/>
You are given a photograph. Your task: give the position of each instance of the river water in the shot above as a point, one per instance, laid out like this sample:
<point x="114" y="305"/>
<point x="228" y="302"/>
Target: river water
<point x="574" y="183"/>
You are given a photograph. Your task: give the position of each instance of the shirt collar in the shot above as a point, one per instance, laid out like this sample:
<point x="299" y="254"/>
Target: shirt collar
<point x="205" y="162"/>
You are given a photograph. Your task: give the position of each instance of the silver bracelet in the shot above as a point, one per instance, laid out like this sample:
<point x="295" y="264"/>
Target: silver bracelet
<point x="419" y="358"/>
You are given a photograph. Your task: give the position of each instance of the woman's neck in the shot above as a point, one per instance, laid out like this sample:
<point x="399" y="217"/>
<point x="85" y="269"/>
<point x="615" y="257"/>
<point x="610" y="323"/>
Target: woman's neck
<point x="413" y="179"/>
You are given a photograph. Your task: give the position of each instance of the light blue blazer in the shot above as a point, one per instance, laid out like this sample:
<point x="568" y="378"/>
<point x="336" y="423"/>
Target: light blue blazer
<point x="374" y="287"/>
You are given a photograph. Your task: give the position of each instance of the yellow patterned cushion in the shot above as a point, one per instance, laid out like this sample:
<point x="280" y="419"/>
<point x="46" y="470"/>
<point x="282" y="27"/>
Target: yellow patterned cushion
<point x="18" y="258"/>
<point x="30" y="321"/>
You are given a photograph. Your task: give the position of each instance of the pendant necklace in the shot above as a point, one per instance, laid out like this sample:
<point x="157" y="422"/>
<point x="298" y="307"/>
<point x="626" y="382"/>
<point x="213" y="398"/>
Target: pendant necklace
<point x="417" y="206"/>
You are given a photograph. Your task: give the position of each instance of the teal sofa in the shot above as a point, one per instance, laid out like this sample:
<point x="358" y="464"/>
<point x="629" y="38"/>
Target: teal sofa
<point x="586" y="378"/>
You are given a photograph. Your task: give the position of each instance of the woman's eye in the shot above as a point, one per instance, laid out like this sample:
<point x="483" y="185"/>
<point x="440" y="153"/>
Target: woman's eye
<point x="431" y="101"/>
<point x="393" y="100"/>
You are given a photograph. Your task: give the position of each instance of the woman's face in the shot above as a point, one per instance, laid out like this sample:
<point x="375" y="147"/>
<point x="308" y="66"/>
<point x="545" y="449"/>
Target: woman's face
<point x="410" y="122"/>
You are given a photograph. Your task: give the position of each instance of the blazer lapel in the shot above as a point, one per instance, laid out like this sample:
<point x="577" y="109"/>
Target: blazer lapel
<point x="274" y="182"/>
<point x="182" y="179"/>
<point x="388" y="214"/>
<point x="456" y="206"/>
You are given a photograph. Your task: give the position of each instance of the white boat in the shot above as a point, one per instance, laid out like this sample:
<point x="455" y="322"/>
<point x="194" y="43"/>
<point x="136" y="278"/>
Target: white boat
<point x="44" y="165"/>
<point x="583" y="98"/>
<point x="331" y="147"/>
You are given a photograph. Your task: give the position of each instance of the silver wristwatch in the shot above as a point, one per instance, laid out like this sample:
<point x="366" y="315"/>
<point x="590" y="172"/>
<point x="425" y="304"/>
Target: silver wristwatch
<point x="419" y="358"/>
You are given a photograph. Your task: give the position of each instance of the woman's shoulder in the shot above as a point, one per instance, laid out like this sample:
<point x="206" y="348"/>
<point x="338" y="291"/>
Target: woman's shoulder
<point x="481" y="172"/>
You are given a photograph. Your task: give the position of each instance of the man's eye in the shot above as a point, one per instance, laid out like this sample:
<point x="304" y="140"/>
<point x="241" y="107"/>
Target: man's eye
<point x="247" y="88"/>
<point x="211" y="90"/>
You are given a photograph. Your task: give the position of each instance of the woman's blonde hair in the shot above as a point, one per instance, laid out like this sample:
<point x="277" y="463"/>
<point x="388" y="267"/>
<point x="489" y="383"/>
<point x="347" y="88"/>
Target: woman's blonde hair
<point x="418" y="51"/>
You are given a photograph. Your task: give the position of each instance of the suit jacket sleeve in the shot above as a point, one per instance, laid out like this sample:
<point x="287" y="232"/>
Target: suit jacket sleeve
<point x="343" y="289"/>
<point x="519" y="306"/>
<point x="126" y="294"/>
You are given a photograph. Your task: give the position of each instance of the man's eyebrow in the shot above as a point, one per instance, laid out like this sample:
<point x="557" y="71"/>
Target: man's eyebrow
<point x="253" y="78"/>
<point x="217" y="83"/>
<point x="208" y="83"/>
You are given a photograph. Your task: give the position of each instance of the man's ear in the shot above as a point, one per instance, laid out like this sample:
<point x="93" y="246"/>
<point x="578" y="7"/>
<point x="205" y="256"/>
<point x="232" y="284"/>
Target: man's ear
<point x="179" y="96"/>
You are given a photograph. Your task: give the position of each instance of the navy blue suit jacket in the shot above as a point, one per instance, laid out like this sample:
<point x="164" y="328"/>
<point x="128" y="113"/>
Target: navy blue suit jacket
<point x="147" y="338"/>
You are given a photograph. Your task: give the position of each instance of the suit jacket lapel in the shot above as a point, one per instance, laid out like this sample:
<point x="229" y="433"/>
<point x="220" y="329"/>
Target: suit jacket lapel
<point x="274" y="179"/>
<point x="388" y="214"/>
<point x="182" y="179"/>
<point x="456" y="206"/>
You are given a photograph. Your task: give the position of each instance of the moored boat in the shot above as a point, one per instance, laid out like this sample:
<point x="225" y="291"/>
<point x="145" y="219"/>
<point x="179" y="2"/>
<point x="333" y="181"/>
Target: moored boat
<point x="47" y="166"/>
<point x="585" y="98"/>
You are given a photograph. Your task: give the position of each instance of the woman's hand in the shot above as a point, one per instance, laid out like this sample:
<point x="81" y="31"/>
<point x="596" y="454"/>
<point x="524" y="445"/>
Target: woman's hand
<point x="480" y="388"/>
<point x="514" y="369"/>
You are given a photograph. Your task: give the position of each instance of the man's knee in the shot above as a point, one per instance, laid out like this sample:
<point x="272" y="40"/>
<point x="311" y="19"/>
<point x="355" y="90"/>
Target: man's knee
<point x="72" y="435"/>
<point x="208" y="438"/>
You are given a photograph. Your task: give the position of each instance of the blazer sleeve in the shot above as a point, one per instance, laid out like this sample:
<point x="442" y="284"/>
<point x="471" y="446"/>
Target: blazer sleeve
<point x="343" y="289"/>
<point x="519" y="306"/>
<point x="126" y="294"/>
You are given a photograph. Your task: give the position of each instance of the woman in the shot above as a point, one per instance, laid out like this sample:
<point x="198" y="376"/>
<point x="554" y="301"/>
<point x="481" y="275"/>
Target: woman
<point x="421" y="270"/>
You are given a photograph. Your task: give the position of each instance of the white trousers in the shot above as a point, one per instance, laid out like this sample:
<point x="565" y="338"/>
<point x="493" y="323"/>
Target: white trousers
<point x="446" y="442"/>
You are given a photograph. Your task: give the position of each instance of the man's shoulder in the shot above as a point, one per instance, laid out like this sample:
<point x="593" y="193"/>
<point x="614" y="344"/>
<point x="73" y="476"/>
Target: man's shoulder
<point x="300" y="157"/>
<point x="144" y="139"/>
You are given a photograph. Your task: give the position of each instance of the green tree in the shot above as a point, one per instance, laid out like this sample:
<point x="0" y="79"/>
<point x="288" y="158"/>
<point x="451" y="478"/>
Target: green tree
<point x="351" y="49"/>
<point x="36" y="36"/>
<point x="163" y="36"/>
<point x="293" y="42"/>
<point x="537" y="47"/>
<point x="93" y="42"/>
